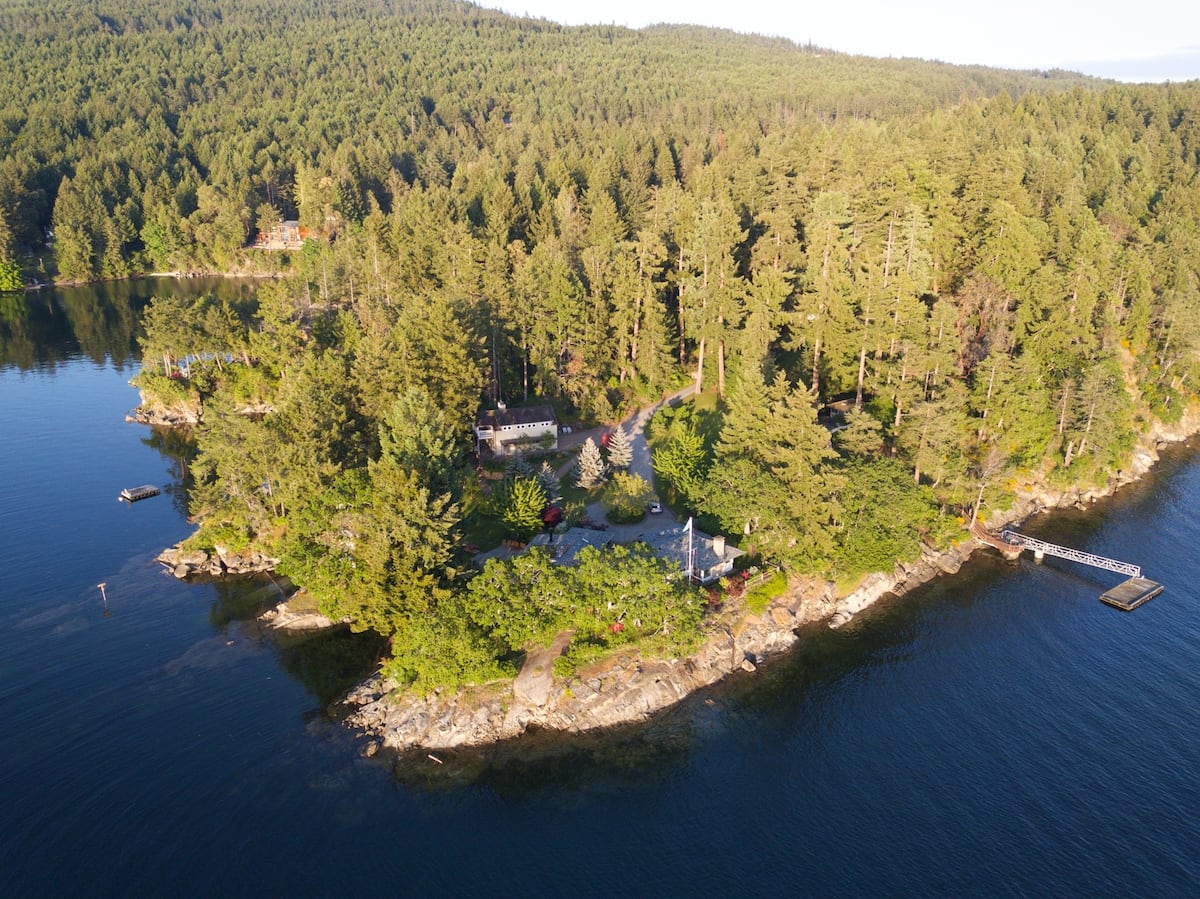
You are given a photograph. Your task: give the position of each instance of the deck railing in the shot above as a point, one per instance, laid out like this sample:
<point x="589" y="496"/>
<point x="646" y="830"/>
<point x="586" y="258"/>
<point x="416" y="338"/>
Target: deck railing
<point x="1014" y="538"/>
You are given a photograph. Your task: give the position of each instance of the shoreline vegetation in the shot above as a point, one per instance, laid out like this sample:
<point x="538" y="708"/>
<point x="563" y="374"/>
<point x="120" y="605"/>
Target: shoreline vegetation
<point x="906" y="295"/>
<point x="628" y="688"/>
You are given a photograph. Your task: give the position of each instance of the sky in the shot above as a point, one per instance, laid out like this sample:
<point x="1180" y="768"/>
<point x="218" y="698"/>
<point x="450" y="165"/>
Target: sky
<point x="1130" y="40"/>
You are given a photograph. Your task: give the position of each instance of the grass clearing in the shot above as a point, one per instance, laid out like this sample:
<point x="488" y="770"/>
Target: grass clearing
<point x="758" y="597"/>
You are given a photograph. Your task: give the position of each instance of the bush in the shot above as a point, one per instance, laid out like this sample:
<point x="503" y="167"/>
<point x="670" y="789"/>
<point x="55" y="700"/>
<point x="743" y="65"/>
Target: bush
<point x="624" y="515"/>
<point x="758" y="597"/>
<point x="230" y="537"/>
<point x="580" y="654"/>
<point x="166" y="393"/>
<point x="626" y="497"/>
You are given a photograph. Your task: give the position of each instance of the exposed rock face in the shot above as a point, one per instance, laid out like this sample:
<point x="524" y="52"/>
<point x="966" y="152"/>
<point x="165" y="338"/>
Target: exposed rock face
<point x="186" y="416"/>
<point x="622" y="689"/>
<point x="164" y="417"/>
<point x="193" y="563"/>
<point x="282" y="618"/>
<point x="902" y="580"/>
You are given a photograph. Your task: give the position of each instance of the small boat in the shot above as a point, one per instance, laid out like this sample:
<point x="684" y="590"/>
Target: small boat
<point x="133" y="494"/>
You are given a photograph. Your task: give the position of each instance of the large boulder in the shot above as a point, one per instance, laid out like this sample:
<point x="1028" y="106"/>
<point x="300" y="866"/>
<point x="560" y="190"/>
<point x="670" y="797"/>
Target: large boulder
<point x="185" y="563"/>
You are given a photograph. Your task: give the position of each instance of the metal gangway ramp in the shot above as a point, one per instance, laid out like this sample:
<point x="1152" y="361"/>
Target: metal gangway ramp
<point x="1041" y="547"/>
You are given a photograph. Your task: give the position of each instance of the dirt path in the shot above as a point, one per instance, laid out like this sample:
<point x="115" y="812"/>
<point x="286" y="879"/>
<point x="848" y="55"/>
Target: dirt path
<point x="635" y="425"/>
<point x="533" y="684"/>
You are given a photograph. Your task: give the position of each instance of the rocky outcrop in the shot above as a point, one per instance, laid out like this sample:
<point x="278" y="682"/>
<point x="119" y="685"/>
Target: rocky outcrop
<point x="186" y="563"/>
<point x="164" y="416"/>
<point x="622" y="689"/>
<point x="283" y="619"/>
<point x="903" y="579"/>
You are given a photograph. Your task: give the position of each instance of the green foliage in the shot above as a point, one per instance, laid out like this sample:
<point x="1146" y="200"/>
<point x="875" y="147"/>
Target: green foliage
<point x="771" y="479"/>
<point x="580" y="653"/>
<point x="885" y="516"/>
<point x="758" y="598"/>
<point x="862" y="436"/>
<point x="416" y="435"/>
<point x="625" y="498"/>
<point x="10" y="275"/>
<point x="518" y="467"/>
<point x="374" y="546"/>
<point x="613" y="596"/>
<point x="524" y="601"/>
<point x="162" y="392"/>
<point x="680" y="460"/>
<point x="994" y="262"/>
<point x="520" y="503"/>
<point x="444" y="650"/>
<point x="213" y="534"/>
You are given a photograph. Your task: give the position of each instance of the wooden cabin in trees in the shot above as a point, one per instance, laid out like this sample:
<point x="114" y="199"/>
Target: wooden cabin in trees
<point x="282" y="236"/>
<point x="509" y="432"/>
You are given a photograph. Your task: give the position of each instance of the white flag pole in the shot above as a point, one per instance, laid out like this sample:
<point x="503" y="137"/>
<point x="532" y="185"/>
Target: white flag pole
<point x="691" y="552"/>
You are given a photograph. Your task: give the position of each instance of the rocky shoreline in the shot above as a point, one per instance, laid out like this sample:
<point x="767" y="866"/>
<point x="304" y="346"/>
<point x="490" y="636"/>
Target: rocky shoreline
<point x="162" y="417"/>
<point x="286" y="620"/>
<point x="188" y="563"/>
<point x="627" y="688"/>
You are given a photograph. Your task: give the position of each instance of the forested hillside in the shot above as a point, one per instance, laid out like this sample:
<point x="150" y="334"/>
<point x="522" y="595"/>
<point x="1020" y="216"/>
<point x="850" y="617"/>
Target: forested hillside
<point x="162" y="136"/>
<point x="1001" y="271"/>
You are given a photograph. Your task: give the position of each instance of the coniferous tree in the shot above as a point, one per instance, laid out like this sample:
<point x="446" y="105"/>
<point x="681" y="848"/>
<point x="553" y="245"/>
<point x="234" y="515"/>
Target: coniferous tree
<point x="548" y="479"/>
<point x="522" y="501"/>
<point x="590" y="468"/>
<point x="620" y="449"/>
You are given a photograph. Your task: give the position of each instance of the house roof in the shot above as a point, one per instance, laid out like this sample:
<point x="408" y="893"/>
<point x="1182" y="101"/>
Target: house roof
<point x="565" y="547"/>
<point x="522" y="415"/>
<point x="670" y="543"/>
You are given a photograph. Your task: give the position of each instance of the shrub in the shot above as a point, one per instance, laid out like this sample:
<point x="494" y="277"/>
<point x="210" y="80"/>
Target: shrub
<point x="759" y="597"/>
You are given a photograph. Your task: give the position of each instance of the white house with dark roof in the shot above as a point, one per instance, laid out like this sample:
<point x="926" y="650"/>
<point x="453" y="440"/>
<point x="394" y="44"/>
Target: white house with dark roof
<point x="512" y="431"/>
<point x="711" y="556"/>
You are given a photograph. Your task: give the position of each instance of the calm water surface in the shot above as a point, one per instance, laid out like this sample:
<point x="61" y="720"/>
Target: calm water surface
<point x="999" y="733"/>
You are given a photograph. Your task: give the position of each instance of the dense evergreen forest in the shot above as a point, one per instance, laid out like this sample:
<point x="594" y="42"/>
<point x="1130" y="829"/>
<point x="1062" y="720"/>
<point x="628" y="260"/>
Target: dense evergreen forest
<point x="998" y="271"/>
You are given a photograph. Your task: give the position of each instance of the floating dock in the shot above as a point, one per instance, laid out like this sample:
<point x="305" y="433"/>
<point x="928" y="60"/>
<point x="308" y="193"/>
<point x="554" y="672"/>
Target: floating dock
<point x="133" y="494"/>
<point x="1132" y="593"/>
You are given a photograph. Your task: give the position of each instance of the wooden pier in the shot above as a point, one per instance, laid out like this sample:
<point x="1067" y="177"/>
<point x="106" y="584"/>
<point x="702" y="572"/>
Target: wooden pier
<point x="1127" y="595"/>
<point x="1131" y="594"/>
<point x="133" y="494"/>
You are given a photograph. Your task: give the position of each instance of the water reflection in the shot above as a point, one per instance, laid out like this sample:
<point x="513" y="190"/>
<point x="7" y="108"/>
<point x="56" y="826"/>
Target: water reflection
<point x="546" y="763"/>
<point x="330" y="663"/>
<point x="327" y="662"/>
<point x="40" y="329"/>
<point x="179" y="446"/>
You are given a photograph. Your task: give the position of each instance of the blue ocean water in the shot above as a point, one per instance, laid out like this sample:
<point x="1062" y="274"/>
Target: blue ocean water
<point x="1000" y="732"/>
